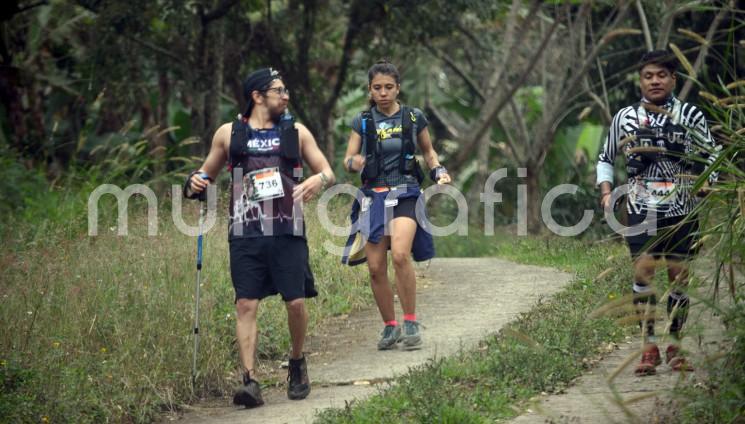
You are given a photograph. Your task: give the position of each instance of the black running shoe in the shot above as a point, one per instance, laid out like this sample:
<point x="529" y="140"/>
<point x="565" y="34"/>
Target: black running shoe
<point x="298" y="386"/>
<point x="249" y="394"/>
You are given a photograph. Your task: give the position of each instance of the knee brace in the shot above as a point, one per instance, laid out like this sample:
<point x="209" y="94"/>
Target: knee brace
<point x="644" y="294"/>
<point x="682" y="301"/>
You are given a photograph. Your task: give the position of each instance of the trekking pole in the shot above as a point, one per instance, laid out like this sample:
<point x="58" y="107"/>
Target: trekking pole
<point x="202" y="212"/>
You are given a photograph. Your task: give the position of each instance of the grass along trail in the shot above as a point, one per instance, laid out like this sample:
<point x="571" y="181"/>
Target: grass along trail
<point x="611" y="393"/>
<point x="460" y="302"/>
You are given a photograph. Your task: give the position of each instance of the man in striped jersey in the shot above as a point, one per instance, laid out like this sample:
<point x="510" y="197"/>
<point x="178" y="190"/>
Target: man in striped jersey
<point x="665" y="143"/>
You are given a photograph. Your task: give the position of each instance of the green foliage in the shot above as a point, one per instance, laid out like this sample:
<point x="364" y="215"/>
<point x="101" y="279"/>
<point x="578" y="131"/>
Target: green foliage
<point x="43" y="212"/>
<point x="17" y="183"/>
<point x="16" y="405"/>
<point x="95" y="331"/>
<point x="571" y="160"/>
<point x="132" y="160"/>
<point x="720" y="397"/>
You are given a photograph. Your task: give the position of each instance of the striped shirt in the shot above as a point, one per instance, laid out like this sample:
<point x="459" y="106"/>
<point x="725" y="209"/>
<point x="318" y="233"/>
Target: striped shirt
<point x="665" y="184"/>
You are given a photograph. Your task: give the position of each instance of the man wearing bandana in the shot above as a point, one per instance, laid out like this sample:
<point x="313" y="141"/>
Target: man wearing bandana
<point x="666" y="144"/>
<point x="265" y="150"/>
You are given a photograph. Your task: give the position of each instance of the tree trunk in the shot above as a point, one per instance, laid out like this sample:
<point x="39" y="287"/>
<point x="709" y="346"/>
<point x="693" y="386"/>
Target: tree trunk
<point x="534" y="198"/>
<point x="160" y="141"/>
<point x="200" y="89"/>
<point x="40" y="145"/>
<point x="479" y="179"/>
<point x="667" y="25"/>
<point x="197" y="120"/>
<point x="704" y="50"/>
<point x="494" y="104"/>
<point x="235" y="85"/>
<point x="328" y="138"/>
<point x="11" y="98"/>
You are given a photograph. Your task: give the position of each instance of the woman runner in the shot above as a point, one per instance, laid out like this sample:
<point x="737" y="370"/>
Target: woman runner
<point x="381" y="147"/>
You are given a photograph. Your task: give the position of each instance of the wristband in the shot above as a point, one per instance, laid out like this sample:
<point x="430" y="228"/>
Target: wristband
<point x="349" y="164"/>
<point x="324" y="180"/>
<point x="436" y="172"/>
<point x="187" y="185"/>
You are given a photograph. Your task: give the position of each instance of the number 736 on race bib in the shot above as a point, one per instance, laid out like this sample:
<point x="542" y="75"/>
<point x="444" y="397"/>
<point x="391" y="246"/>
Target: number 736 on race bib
<point x="267" y="184"/>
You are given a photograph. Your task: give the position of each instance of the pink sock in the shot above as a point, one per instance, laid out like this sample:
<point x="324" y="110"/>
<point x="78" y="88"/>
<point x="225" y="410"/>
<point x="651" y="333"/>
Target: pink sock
<point x="391" y="322"/>
<point x="409" y="317"/>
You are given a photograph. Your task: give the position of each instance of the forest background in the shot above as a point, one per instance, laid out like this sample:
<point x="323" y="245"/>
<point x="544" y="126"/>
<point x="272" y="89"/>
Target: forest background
<point x="112" y="92"/>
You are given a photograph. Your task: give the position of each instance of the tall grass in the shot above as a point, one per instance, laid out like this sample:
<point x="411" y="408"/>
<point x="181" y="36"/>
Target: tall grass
<point x="98" y="329"/>
<point x="721" y="397"/>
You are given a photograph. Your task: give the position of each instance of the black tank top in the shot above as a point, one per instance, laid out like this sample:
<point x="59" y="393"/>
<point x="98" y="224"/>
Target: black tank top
<point x="261" y="185"/>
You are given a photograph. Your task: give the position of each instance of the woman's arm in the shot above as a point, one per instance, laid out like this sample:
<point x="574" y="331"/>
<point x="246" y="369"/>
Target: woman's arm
<point x="353" y="161"/>
<point x="323" y="175"/>
<point x="430" y="157"/>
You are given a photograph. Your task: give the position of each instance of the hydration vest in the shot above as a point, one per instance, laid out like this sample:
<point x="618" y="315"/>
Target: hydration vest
<point x="289" y="145"/>
<point x="373" y="151"/>
<point x="671" y="137"/>
<point x="257" y="155"/>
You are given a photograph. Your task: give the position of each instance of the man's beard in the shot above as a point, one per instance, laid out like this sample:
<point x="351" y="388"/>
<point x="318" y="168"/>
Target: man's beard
<point x="276" y="113"/>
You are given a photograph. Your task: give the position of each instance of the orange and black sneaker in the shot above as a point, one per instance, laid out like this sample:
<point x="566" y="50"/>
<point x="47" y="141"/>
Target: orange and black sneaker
<point x="675" y="359"/>
<point x="650" y="359"/>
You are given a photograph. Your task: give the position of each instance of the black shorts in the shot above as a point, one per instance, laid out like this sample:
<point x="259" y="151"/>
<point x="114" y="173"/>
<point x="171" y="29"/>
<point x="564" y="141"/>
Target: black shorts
<point x="405" y="207"/>
<point x="675" y="239"/>
<point x="265" y="266"/>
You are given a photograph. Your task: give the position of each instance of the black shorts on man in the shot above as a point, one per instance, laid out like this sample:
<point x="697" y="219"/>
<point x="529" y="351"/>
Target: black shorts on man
<point x="675" y="238"/>
<point x="269" y="265"/>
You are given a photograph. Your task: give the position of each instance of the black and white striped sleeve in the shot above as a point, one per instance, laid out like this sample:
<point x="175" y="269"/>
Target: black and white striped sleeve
<point x="694" y="119"/>
<point x="623" y="124"/>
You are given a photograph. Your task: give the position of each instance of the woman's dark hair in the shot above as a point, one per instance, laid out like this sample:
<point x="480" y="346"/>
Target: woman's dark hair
<point x="383" y="67"/>
<point x="662" y="58"/>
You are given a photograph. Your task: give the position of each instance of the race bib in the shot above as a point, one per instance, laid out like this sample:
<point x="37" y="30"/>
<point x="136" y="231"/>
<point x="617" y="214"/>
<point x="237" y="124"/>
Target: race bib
<point x="389" y="203"/>
<point x="266" y="184"/>
<point x="659" y="192"/>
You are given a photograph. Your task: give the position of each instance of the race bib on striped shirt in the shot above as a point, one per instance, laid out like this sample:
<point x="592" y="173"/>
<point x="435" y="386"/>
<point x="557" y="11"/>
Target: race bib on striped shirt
<point x="659" y="192"/>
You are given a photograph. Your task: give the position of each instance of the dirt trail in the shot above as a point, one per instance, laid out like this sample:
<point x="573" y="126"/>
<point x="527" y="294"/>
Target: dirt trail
<point x="592" y="399"/>
<point x="459" y="302"/>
